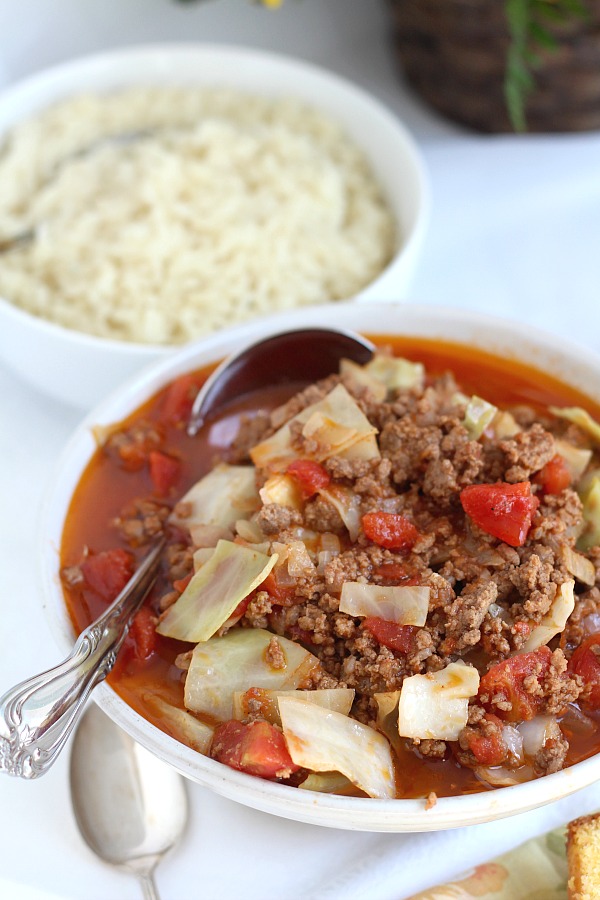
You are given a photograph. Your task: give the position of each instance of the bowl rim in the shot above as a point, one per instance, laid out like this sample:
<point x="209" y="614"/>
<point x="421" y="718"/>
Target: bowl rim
<point x="35" y="85"/>
<point x="330" y="810"/>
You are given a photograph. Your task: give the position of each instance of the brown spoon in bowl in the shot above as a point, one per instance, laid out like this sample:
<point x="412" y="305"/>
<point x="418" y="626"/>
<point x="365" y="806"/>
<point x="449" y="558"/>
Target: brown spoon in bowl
<point x="38" y="715"/>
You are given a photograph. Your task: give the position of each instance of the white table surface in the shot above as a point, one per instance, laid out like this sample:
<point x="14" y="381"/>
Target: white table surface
<point x="515" y="231"/>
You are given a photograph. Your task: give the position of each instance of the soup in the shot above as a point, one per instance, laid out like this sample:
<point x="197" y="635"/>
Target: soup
<point x="384" y="585"/>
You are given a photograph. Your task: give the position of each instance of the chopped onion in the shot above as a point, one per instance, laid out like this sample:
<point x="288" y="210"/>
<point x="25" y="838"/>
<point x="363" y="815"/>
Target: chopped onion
<point x="579" y="417"/>
<point x="513" y="741"/>
<point x="215" y="590"/>
<point x="591" y="624"/>
<point x="336" y="423"/>
<point x="331" y="542"/>
<point x="478" y="415"/>
<point x="577" y="565"/>
<point x="238" y="661"/>
<point x="226" y="494"/>
<point x="555" y="619"/>
<point x="249" y="531"/>
<point x="404" y="605"/>
<point x="202" y="556"/>
<point x="537" y="732"/>
<point x="324" y="741"/>
<point x="436" y="705"/>
<point x="498" y="776"/>
<point x="299" y="563"/>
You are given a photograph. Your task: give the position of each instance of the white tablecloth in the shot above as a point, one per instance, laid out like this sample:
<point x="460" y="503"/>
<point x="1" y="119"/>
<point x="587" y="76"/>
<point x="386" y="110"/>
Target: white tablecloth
<point x="515" y="231"/>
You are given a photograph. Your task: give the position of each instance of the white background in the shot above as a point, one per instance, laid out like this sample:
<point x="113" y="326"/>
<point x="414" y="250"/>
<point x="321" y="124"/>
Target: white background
<point x="515" y="231"/>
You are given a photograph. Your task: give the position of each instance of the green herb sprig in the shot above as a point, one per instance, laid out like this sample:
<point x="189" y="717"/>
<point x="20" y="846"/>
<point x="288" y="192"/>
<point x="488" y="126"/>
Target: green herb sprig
<point x="530" y="24"/>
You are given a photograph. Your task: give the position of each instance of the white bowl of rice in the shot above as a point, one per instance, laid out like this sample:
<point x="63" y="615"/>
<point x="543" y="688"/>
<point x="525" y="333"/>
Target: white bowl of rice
<point x="162" y="193"/>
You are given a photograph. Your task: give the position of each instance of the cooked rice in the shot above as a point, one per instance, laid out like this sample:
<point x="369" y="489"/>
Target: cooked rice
<point x="229" y="207"/>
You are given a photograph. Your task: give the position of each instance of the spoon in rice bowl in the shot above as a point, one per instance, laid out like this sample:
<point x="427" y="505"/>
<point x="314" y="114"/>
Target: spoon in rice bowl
<point x="38" y="715"/>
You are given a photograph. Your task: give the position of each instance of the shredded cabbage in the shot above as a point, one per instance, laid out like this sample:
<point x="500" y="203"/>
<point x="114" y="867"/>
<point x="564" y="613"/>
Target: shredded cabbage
<point x="338" y="699"/>
<point x="555" y="619"/>
<point x="347" y="503"/>
<point x="504" y="425"/>
<point x="227" y="493"/>
<point x="404" y="605"/>
<point x="577" y="460"/>
<point x="281" y="489"/>
<point x="336" y="423"/>
<point x="183" y="725"/>
<point x="360" y="377"/>
<point x="327" y="783"/>
<point x="215" y="590"/>
<point x="478" y="415"/>
<point x="325" y="741"/>
<point x="396" y="373"/>
<point x="590" y="497"/>
<point x="436" y="705"/>
<point x="577" y="565"/>
<point x="238" y="661"/>
<point x="579" y="417"/>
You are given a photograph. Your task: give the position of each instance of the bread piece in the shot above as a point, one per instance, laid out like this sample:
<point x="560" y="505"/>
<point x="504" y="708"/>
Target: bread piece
<point x="583" y="858"/>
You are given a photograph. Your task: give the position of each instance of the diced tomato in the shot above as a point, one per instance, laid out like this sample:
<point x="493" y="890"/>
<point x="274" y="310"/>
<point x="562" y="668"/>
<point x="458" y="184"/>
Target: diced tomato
<point x="164" y="471"/>
<point x="392" y="572"/>
<point x="389" y="530"/>
<point x="586" y="663"/>
<point x="554" y="477"/>
<point x="179" y="399"/>
<point x="108" y="572"/>
<point x="503" y="510"/>
<point x="258" y="749"/>
<point x="506" y="680"/>
<point x="488" y="749"/>
<point x="281" y="594"/>
<point x="142" y="632"/>
<point x="391" y="635"/>
<point x="181" y="583"/>
<point x="310" y="476"/>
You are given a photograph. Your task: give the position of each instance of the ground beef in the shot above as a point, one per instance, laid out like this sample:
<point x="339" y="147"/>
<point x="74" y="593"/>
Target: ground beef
<point x="465" y="615"/>
<point x="273" y="518"/>
<point x="141" y="521"/>
<point x="321" y="515"/>
<point x="527" y="452"/>
<point x="552" y="756"/>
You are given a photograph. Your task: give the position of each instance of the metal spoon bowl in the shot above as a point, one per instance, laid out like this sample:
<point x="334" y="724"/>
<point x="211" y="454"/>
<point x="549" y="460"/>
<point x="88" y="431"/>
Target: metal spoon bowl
<point x="38" y="715"/>
<point x="130" y="807"/>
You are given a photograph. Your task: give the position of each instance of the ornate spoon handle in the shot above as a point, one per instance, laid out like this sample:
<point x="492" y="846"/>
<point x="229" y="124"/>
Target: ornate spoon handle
<point x="38" y="715"/>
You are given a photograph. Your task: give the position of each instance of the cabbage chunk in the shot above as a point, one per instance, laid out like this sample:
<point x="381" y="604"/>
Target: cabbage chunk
<point x="336" y="424"/>
<point x="326" y="741"/>
<point x="555" y="619"/>
<point x="396" y="373"/>
<point x="338" y="699"/>
<point x="576" y="459"/>
<point x="404" y="605"/>
<point x="226" y="494"/>
<point x="238" y="661"/>
<point x="590" y="497"/>
<point x="182" y="725"/>
<point x="225" y="579"/>
<point x="478" y="415"/>
<point x="435" y="706"/>
<point x="579" y="417"/>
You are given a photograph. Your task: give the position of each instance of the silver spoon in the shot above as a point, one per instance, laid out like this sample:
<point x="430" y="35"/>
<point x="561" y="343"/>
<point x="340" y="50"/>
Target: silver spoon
<point x="130" y="807"/>
<point x="38" y="715"/>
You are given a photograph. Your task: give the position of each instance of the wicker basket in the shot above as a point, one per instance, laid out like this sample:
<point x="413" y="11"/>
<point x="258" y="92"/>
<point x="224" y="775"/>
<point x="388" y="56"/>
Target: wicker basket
<point x="453" y="53"/>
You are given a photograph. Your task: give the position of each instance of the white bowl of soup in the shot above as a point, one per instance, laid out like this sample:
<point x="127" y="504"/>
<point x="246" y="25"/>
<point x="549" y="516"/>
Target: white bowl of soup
<point x="165" y="192"/>
<point x="414" y="549"/>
